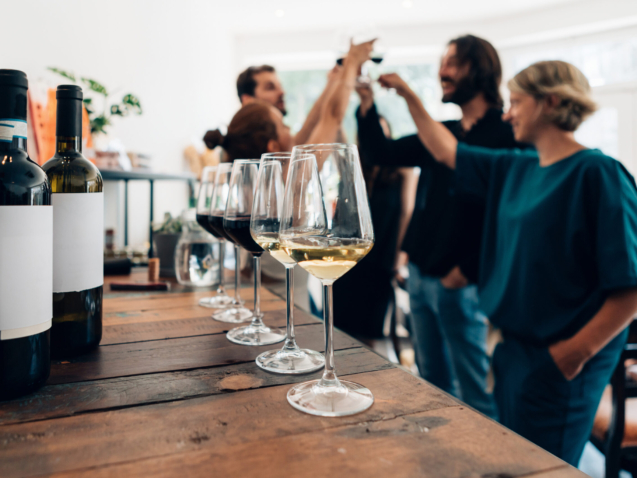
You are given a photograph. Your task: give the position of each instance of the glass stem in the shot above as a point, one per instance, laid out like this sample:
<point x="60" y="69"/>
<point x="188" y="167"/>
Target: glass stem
<point x="256" y="320"/>
<point x="221" y="290"/>
<point x="290" y="341"/>
<point x="329" y="375"/>
<point x="237" y="279"/>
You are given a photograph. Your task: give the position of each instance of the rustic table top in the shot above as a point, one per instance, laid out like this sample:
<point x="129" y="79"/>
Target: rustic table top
<point x="166" y="394"/>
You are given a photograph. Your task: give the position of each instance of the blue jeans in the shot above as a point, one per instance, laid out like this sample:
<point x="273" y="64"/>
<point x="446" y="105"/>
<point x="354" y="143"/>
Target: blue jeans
<point x="449" y="334"/>
<point x="536" y="401"/>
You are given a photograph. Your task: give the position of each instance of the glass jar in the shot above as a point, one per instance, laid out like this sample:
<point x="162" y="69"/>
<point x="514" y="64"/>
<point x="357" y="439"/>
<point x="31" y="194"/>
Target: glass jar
<point x="196" y="254"/>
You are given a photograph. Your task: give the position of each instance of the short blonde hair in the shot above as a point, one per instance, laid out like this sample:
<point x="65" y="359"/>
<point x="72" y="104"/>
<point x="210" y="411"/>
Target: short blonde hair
<point x="562" y="80"/>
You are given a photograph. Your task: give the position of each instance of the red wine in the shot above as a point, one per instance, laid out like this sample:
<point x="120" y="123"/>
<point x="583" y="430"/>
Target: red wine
<point x="216" y="223"/>
<point x="238" y="228"/>
<point x="377" y="59"/>
<point x="204" y="221"/>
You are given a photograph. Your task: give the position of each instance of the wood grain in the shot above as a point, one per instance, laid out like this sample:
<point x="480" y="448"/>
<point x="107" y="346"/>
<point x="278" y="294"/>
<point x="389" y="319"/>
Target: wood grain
<point x="55" y="401"/>
<point x="208" y="423"/>
<point x="181" y="322"/>
<point x="440" y="443"/>
<point x="187" y="353"/>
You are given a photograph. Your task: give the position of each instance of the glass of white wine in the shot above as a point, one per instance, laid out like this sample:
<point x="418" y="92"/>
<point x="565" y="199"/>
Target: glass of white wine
<point x="264" y="227"/>
<point x="326" y="227"/>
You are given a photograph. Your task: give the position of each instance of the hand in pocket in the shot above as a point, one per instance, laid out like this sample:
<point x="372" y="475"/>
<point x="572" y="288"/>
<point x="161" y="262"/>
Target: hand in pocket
<point x="568" y="359"/>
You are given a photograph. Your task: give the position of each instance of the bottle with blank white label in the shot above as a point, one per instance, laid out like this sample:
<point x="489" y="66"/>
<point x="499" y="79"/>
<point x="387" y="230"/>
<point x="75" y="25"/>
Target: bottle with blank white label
<point x="78" y="234"/>
<point x="26" y="249"/>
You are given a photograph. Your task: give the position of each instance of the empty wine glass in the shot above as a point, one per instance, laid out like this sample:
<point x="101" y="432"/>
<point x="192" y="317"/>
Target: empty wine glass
<point x="326" y="228"/>
<point x="236" y="223"/>
<point x="264" y="226"/>
<point x="235" y="313"/>
<point x="204" y="201"/>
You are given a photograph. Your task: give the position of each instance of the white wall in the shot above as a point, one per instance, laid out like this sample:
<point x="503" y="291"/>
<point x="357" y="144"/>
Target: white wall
<point x="176" y="56"/>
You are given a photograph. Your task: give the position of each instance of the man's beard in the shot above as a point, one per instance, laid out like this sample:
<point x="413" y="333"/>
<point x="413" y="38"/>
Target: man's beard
<point x="281" y="107"/>
<point x="464" y="92"/>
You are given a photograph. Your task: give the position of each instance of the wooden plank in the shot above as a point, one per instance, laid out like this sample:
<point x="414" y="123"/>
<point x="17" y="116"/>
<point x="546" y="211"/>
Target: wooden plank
<point x="181" y="322"/>
<point x="169" y="355"/>
<point x="55" y="401"/>
<point x="441" y="443"/>
<point x="208" y="423"/>
<point x="162" y="300"/>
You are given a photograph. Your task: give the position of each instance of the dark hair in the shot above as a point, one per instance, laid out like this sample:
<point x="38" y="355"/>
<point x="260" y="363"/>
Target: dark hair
<point x="246" y="84"/>
<point x="249" y="132"/>
<point x="485" y="72"/>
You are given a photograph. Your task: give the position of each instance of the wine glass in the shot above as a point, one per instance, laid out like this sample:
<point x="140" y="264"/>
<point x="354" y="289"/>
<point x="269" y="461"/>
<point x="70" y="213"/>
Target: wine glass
<point x="326" y="228"/>
<point x="236" y="223"/>
<point x="264" y="227"/>
<point x="235" y="313"/>
<point x="204" y="200"/>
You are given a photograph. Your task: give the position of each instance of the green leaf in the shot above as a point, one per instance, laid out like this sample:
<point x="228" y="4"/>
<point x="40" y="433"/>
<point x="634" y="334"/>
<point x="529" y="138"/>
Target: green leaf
<point x="116" y="110"/>
<point x="95" y="86"/>
<point x="99" y="123"/>
<point x="66" y="74"/>
<point x="132" y="103"/>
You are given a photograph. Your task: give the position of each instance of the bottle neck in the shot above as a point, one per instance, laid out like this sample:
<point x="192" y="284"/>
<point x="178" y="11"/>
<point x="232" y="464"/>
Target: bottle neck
<point x="17" y="143"/>
<point x="68" y="144"/>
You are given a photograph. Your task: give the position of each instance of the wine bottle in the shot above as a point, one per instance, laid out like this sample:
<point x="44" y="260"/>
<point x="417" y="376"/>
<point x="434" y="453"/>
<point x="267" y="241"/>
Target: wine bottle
<point x="78" y="234"/>
<point x="26" y="249"/>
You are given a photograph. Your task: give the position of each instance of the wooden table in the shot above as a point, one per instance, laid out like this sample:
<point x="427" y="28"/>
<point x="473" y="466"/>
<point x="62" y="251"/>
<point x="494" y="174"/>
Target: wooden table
<point x="166" y="394"/>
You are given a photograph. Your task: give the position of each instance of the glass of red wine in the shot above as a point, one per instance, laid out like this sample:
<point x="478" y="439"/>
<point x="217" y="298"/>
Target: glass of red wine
<point x="236" y="224"/>
<point x="235" y="313"/>
<point x="204" y="199"/>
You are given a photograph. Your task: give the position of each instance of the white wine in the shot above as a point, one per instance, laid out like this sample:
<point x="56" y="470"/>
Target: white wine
<point x="269" y="241"/>
<point x="327" y="259"/>
<point x="26" y="249"/>
<point x="78" y="234"/>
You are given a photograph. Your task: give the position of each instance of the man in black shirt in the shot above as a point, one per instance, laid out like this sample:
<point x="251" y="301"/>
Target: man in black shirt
<point x="448" y="330"/>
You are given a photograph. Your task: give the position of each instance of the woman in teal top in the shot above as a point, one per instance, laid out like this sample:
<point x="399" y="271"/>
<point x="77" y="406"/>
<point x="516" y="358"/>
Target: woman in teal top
<point x="558" y="268"/>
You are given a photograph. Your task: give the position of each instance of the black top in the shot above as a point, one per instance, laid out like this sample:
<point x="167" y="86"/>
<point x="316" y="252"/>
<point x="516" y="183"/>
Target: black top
<point x="445" y="230"/>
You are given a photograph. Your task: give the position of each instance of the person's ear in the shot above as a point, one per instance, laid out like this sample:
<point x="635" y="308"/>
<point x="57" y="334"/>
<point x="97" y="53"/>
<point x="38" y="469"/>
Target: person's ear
<point x="551" y="102"/>
<point x="247" y="99"/>
<point x="274" y="146"/>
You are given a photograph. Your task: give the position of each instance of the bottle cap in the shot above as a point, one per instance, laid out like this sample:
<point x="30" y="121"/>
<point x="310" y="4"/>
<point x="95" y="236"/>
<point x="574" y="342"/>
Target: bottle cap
<point x="13" y="78"/>
<point x="69" y="91"/>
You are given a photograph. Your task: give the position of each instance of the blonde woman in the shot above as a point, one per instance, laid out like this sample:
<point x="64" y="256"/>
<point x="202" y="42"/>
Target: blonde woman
<point x="558" y="270"/>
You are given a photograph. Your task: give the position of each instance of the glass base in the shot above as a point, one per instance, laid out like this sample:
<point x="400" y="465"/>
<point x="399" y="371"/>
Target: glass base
<point x="255" y="335"/>
<point x="234" y="315"/>
<point x="344" y="398"/>
<point x="291" y="362"/>
<point x="216" y="302"/>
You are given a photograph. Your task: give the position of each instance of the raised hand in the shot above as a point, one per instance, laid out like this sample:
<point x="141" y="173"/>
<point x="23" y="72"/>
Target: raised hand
<point x="359" y="54"/>
<point x="393" y="80"/>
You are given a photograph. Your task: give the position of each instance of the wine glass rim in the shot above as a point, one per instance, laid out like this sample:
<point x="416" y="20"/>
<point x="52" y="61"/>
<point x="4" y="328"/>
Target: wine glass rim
<point x="283" y="154"/>
<point x="322" y="147"/>
<point x="246" y="161"/>
<point x="224" y="165"/>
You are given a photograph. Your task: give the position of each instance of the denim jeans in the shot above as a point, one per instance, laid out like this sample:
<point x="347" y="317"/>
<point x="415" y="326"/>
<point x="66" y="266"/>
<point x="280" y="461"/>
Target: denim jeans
<point x="449" y="334"/>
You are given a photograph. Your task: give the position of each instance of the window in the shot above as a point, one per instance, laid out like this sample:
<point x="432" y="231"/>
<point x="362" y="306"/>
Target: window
<point x="303" y="87"/>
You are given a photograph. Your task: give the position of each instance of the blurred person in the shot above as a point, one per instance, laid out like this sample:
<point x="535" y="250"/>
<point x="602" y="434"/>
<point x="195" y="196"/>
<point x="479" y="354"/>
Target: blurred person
<point x="558" y="273"/>
<point x="261" y="83"/>
<point x="448" y="329"/>
<point x="391" y="192"/>
<point x="258" y="128"/>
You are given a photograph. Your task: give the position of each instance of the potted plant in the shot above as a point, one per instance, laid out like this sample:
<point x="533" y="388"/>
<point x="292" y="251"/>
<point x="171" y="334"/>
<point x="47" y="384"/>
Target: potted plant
<point x="165" y="238"/>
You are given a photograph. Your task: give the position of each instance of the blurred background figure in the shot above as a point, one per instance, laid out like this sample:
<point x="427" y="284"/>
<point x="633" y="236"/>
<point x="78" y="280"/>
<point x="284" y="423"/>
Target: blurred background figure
<point x="391" y="192"/>
<point x="448" y="330"/>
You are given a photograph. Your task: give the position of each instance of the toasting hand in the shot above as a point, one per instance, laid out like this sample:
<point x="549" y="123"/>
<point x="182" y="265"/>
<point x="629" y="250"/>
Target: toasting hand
<point x="359" y="54"/>
<point x="392" y="80"/>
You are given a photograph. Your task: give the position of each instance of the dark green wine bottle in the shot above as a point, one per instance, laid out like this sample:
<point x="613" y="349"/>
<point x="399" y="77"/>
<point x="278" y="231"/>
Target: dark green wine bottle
<point x="26" y="241"/>
<point x="78" y="234"/>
